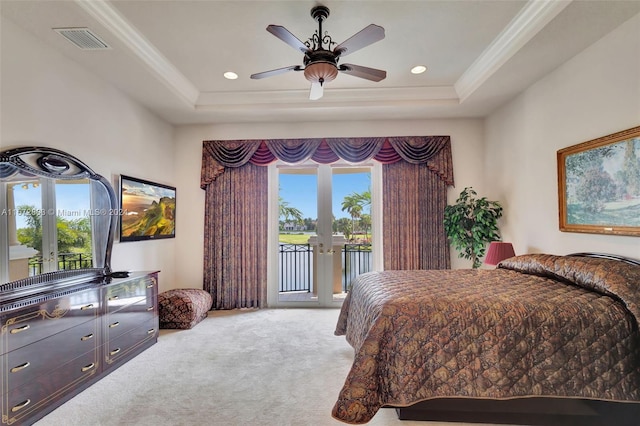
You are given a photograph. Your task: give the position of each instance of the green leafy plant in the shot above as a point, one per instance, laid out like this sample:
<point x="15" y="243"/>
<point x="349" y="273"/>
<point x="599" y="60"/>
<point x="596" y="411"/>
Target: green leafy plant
<point x="471" y="223"/>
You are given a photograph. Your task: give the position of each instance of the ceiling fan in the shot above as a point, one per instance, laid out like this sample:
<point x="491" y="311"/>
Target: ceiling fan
<point x="320" y="63"/>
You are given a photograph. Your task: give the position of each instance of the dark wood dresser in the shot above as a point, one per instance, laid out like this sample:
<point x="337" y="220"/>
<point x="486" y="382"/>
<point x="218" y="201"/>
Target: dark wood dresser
<point x="65" y="319"/>
<point x="57" y="342"/>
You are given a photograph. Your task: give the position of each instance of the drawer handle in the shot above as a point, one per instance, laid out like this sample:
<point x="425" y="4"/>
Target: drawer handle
<point x="87" y="337"/>
<point x="150" y="308"/>
<point x="151" y="331"/>
<point x="20" y="367"/>
<point x="20" y="406"/>
<point x="115" y="351"/>
<point x="88" y="367"/>
<point x="85" y="307"/>
<point x="115" y="324"/>
<point x="20" y="329"/>
<point x="114" y="298"/>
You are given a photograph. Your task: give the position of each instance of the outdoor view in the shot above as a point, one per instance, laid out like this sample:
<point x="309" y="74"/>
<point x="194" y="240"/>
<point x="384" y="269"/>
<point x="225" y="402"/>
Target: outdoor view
<point x="73" y="223"/>
<point x="351" y="206"/>
<point x="298" y="221"/>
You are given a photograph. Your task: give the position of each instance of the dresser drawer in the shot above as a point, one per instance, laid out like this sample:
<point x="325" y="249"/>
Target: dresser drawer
<point x="120" y="295"/>
<point x="25" y="326"/>
<point x="128" y="318"/>
<point x="152" y="285"/>
<point x="45" y="389"/>
<point x="25" y="364"/>
<point x="144" y="335"/>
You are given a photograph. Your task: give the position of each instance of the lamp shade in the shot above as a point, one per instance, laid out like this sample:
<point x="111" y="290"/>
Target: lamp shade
<point x="320" y="72"/>
<point x="498" y="251"/>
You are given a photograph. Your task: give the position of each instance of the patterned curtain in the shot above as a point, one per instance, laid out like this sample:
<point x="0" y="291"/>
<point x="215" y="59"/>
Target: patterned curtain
<point x="416" y="174"/>
<point x="235" y="238"/>
<point x="413" y="205"/>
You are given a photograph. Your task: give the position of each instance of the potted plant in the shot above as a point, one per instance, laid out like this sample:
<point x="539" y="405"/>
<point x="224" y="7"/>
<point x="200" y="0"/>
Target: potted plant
<point x="471" y="223"/>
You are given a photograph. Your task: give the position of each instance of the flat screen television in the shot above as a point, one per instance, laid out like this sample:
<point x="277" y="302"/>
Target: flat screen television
<point x="147" y="210"/>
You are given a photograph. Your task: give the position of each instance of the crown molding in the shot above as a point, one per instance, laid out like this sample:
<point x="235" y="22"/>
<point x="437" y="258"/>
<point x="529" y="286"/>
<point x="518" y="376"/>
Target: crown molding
<point x="111" y="19"/>
<point x="333" y="95"/>
<point x="533" y="17"/>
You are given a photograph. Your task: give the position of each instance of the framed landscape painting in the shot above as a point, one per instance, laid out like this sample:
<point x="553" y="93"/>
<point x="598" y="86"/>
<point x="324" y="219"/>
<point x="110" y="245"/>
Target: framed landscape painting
<point x="148" y="210"/>
<point x="599" y="185"/>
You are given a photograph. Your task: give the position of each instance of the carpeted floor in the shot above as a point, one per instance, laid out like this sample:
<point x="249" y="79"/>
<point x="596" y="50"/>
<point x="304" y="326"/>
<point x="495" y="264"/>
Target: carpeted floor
<point x="247" y="367"/>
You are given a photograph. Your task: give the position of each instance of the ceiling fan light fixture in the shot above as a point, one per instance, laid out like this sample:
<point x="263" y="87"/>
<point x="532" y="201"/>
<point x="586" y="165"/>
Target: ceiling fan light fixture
<point x="320" y="60"/>
<point x="320" y="72"/>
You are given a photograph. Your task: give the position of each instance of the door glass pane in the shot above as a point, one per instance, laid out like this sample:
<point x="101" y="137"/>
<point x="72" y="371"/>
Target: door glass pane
<point x="323" y="247"/>
<point x="73" y="224"/>
<point x="297" y="202"/>
<point x="24" y="216"/>
<point x="352" y="221"/>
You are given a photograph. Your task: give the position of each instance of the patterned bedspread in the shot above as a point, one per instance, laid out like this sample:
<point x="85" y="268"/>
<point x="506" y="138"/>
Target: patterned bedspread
<point x="539" y="325"/>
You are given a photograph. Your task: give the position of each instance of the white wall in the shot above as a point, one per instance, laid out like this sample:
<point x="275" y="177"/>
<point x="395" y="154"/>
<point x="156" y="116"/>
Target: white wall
<point x="594" y="94"/>
<point x="466" y="142"/>
<point x="48" y="100"/>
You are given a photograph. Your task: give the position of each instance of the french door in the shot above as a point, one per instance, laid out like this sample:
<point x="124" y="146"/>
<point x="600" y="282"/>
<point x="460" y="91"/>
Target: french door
<point x="324" y="227"/>
<point x="46" y="226"/>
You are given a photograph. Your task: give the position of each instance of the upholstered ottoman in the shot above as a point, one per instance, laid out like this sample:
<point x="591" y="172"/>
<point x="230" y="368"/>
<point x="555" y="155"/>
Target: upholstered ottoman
<point x="183" y="308"/>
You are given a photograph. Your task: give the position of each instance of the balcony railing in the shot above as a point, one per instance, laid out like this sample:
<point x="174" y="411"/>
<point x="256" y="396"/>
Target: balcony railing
<point x="66" y="261"/>
<point x="356" y="260"/>
<point x="296" y="265"/>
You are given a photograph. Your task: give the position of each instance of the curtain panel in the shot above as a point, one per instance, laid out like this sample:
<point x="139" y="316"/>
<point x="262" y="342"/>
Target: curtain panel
<point x="235" y="238"/>
<point x="416" y="173"/>
<point x="413" y="205"/>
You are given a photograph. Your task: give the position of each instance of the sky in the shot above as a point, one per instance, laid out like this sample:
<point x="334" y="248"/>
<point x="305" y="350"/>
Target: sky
<point x="72" y="201"/>
<point x="300" y="191"/>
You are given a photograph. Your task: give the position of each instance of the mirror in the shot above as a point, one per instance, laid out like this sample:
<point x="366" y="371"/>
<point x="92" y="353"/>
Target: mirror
<point x="56" y="215"/>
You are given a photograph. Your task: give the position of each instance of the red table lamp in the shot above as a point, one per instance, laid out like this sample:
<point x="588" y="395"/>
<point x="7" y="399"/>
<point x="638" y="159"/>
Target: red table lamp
<point x="498" y="251"/>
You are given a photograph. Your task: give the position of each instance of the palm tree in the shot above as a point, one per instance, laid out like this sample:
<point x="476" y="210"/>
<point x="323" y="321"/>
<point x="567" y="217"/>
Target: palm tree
<point x="365" y="222"/>
<point x="352" y="205"/>
<point x="364" y="198"/>
<point x="343" y="225"/>
<point x="287" y="212"/>
<point x="295" y="214"/>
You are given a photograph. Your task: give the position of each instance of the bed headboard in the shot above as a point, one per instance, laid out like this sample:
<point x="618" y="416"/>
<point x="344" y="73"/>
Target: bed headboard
<point x="608" y="256"/>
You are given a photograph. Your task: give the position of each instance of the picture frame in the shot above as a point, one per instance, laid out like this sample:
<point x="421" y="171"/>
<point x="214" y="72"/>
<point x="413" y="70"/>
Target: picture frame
<point x="147" y="210"/>
<point x="599" y="185"/>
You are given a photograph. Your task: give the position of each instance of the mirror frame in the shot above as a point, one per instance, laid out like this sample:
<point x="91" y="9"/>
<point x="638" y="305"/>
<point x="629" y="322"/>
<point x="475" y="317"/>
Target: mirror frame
<point x="56" y="164"/>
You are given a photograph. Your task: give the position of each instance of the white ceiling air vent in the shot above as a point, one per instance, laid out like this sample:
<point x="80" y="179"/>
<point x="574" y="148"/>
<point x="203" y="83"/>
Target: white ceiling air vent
<point x="83" y="38"/>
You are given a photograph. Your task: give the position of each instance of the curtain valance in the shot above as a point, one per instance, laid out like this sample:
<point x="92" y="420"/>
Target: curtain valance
<point x="433" y="150"/>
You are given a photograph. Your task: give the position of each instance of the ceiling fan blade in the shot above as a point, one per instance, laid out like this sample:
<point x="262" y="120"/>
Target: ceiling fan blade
<point x="364" y="38"/>
<point x="363" y="72"/>
<point x="264" y="74"/>
<point x="316" y="91"/>
<point x="285" y="35"/>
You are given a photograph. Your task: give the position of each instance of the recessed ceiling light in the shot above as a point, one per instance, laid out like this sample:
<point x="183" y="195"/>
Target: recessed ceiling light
<point x="418" y="69"/>
<point x="230" y="75"/>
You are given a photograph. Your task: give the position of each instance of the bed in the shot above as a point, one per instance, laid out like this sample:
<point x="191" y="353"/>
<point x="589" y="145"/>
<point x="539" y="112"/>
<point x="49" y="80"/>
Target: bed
<point x="539" y="325"/>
